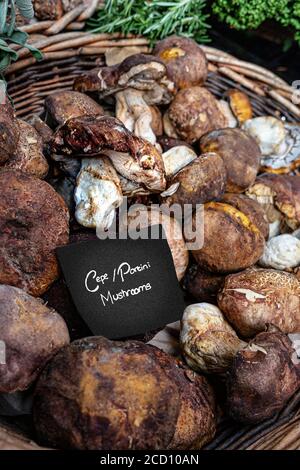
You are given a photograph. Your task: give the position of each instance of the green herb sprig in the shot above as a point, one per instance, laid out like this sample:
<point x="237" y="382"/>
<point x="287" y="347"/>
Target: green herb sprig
<point x="10" y="34"/>
<point x="155" y="19"/>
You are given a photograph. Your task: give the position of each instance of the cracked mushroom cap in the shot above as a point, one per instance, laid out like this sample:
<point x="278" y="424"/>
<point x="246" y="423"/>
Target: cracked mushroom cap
<point x="231" y="242"/>
<point x="255" y="297"/>
<point x="133" y="157"/>
<point x="263" y="377"/>
<point x="99" y="394"/>
<point x="185" y="60"/>
<point x="240" y="153"/>
<point x="280" y="197"/>
<point x="139" y="71"/>
<point x="251" y="209"/>
<point x="64" y="105"/>
<point x="193" y="112"/>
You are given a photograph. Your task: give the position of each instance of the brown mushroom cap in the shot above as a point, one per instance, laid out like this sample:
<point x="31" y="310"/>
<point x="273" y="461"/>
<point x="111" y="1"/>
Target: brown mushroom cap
<point x="240" y="153"/>
<point x="231" y="241"/>
<point x="65" y="105"/>
<point x="194" y="112"/>
<point x="136" y="158"/>
<point x="185" y="60"/>
<point x="48" y="9"/>
<point x="98" y="394"/>
<point x="32" y="334"/>
<point x="251" y="208"/>
<point x="203" y="180"/>
<point x="28" y="156"/>
<point x="281" y="193"/>
<point x="263" y="377"/>
<point x="9" y="131"/>
<point x="255" y="297"/>
<point x="201" y="285"/>
<point x="34" y="220"/>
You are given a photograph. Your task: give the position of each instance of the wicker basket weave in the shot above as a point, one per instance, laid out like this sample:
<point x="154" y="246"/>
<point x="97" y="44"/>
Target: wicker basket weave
<point x="69" y="54"/>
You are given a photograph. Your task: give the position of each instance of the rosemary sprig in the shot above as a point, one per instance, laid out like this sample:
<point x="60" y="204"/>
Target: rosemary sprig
<point x="155" y="19"/>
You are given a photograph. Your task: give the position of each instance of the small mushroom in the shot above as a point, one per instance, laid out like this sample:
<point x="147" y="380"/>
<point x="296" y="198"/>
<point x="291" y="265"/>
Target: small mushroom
<point x="28" y="156"/>
<point x="202" y="180"/>
<point x="98" y="193"/>
<point x="240" y="154"/>
<point x="193" y="112"/>
<point x="185" y="60"/>
<point x="280" y="197"/>
<point x="263" y="377"/>
<point x="281" y="252"/>
<point x="209" y="344"/>
<point x="133" y="157"/>
<point x="239" y="104"/>
<point x="255" y="297"/>
<point x="64" y="105"/>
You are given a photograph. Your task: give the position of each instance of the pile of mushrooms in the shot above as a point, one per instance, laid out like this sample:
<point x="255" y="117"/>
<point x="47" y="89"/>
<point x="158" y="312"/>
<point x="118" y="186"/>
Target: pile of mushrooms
<point x="147" y="127"/>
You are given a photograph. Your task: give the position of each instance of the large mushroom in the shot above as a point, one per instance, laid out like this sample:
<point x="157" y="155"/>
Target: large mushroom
<point x="134" y="158"/>
<point x="185" y="60"/>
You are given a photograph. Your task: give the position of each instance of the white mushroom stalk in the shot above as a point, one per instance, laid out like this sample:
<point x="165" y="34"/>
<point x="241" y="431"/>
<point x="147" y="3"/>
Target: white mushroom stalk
<point x="134" y="112"/>
<point x="98" y="193"/>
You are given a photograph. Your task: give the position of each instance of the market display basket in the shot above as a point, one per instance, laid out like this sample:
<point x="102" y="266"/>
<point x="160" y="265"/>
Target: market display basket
<point x="69" y="52"/>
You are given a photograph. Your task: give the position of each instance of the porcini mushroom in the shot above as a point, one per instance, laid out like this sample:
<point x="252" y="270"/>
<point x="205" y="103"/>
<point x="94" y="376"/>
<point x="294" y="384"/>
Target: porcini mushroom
<point x="98" y="193"/>
<point x="193" y="112"/>
<point x="134" y="158"/>
<point x="185" y="60"/>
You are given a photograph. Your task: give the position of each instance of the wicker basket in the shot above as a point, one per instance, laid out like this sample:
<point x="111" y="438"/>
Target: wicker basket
<point x="69" y="54"/>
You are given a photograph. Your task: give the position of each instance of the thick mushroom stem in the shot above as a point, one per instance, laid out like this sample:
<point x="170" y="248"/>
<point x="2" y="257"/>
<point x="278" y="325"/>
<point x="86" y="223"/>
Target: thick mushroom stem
<point x="134" y="112"/>
<point x="98" y="193"/>
<point x="151" y="177"/>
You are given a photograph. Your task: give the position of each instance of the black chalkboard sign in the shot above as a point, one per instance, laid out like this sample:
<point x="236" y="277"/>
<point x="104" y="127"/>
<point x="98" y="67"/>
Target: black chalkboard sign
<point x="122" y="287"/>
